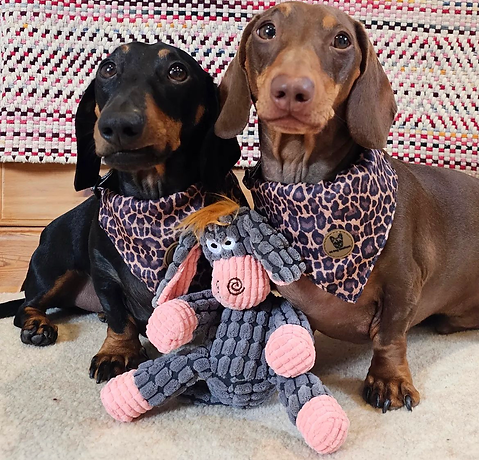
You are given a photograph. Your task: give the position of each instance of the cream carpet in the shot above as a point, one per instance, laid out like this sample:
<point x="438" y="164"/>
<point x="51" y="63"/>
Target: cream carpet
<point x="50" y="409"/>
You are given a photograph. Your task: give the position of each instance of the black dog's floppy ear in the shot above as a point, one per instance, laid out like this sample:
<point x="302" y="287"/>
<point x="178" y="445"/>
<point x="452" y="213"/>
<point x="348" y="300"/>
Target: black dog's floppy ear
<point x="88" y="163"/>
<point x="235" y="93"/>
<point x="371" y="105"/>
<point x="217" y="157"/>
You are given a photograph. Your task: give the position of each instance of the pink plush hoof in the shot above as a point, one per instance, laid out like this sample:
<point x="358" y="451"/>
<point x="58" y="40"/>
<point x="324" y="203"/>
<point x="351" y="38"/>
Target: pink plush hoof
<point x="171" y="325"/>
<point x="323" y="424"/>
<point x="122" y="399"/>
<point x="290" y="351"/>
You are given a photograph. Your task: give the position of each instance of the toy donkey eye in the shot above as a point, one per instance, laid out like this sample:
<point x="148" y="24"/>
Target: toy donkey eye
<point x="229" y="243"/>
<point x="213" y="246"/>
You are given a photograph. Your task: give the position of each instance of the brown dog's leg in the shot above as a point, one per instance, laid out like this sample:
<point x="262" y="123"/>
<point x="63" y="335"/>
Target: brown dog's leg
<point x="389" y="381"/>
<point x="120" y="352"/>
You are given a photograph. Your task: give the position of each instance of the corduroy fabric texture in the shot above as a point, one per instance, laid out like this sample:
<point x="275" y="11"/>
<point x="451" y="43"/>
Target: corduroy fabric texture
<point x="123" y="389"/>
<point x="171" y="325"/>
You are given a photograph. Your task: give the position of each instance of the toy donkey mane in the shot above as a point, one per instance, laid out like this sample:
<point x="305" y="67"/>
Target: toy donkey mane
<point x="210" y="215"/>
<point x="246" y="253"/>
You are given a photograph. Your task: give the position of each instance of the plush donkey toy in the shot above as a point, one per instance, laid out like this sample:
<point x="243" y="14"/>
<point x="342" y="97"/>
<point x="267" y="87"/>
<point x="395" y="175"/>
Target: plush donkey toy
<point x="245" y="353"/>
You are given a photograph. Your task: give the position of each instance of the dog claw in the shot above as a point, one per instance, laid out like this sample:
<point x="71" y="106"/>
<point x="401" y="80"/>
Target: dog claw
<point x="386" y="405"/>
<point x="366" y="394"/>
<point x="104" y="367"/>
<point x="408" y="403"/>
<point x="377" y="401"/>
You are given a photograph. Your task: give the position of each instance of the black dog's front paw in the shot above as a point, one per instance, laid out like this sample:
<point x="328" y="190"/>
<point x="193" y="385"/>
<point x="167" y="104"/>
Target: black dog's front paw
<point x="39" y="333"/>
<point x="105" y="366"/>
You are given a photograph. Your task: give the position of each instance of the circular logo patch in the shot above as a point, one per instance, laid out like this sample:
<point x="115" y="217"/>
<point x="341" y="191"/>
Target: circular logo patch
<point x="338" y="244"/>
<point x="169" y="254"/>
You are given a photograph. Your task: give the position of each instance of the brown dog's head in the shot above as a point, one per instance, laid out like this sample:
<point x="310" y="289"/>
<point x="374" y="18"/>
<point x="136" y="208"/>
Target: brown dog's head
<point x="150" y="106"/>
<point x="301" y="65"/>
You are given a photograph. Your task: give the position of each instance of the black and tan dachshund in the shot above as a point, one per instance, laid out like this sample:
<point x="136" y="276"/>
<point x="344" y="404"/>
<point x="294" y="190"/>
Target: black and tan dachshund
<point x="149" y="115"/>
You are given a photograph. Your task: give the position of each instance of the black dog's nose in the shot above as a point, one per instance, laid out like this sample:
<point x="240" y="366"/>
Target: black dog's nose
<point x="291" y="93"/>
<point x="121" y="129"/>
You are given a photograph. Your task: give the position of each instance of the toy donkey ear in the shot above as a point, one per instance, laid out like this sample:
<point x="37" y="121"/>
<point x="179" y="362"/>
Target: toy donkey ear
<point x="88" y="163"/>
<point x="282" y="263"/>
<point x="181" y="271"/>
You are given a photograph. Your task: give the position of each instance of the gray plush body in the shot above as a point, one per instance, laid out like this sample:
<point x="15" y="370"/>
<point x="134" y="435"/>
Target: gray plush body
<point x="231" y="361"/>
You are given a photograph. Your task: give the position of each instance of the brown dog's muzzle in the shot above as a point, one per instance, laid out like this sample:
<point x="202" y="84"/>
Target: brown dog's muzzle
<point x="291" y="94"/>
<point x="294" y="93"/>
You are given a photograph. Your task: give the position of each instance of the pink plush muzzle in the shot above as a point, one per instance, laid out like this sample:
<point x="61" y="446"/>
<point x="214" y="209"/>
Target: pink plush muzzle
<point x="240" y="283"/>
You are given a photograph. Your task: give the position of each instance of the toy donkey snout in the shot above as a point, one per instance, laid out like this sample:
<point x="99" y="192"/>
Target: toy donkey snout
<point x="246" y="253"/>
<point x="239" y="282"/>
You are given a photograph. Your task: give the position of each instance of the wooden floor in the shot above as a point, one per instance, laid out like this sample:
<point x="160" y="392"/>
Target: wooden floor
<point x="31" y="196"/>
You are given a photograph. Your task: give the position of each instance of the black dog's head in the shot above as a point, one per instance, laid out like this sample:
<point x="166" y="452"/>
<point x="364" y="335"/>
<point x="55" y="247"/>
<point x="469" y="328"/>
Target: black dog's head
<point x="151" y="107"/>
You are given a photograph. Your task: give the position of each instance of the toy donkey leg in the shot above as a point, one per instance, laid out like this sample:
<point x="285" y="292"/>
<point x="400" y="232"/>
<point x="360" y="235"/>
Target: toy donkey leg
<point x="177" y="321"/>
<point x="317" y="415"/>
<point x="290" y="348"/>
<point x="130" y="395"/>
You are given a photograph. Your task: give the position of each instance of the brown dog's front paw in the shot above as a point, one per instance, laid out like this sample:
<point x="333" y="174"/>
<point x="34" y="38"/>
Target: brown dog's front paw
<point x="105" y="366"/>
<point x="39" y="332"/>
<point x="390" y="393"/>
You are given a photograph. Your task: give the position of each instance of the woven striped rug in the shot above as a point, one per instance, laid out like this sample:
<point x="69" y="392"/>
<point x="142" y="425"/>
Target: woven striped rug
<point x="50" y="49"/>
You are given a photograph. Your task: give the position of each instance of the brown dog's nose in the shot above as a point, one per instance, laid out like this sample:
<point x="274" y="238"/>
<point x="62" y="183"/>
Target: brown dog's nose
<point x="291" y="93"/>
<point x="121" y="129"/>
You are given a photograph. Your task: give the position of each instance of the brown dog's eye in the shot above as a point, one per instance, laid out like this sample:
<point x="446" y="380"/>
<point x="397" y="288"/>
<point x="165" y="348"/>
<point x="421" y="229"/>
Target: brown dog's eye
<point x="341" y="42"/>
<point x="177" y="72"/>
<point x="108" y="69"/>
<point x="267" y="31"/>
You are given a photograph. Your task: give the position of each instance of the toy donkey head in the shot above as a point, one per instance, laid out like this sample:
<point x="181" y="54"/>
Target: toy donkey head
<point x="244" y="251"/>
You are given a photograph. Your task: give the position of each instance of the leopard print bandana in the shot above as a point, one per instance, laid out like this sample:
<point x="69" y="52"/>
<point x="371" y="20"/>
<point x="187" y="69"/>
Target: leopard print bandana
<point x="339" y="227"/>
<point x="145" y="232"/>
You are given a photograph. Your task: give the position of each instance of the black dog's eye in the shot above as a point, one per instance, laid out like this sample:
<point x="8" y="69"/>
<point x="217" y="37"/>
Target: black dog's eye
<point x="267" y="31"/>
<point x="341" y="42"/>
<point x="108" y="69"/>
<point x="177" y="72"/>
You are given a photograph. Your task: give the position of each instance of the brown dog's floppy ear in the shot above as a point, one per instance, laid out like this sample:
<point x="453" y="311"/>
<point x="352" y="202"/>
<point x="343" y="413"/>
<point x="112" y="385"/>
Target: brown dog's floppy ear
<point x="88" y="163"/>
<point x="235" y="96"/>
<point x="371" y="106"/>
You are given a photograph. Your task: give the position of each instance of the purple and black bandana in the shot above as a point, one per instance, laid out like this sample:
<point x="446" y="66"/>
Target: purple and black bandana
<point x="145" y="232"/>
<point x="339" y="227"/>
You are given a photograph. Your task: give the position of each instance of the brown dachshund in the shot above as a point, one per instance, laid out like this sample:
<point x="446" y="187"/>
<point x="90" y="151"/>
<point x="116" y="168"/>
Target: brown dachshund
<point x="322" y="97"/>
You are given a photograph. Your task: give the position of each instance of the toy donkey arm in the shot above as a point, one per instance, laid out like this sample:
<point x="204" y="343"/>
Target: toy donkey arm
<point x="179" y="321"/>
<point x="290" y="347"/>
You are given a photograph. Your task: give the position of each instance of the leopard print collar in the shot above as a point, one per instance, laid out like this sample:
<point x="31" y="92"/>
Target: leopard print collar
<point x="145" y="232"/>
<point x="339" y="227"/>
